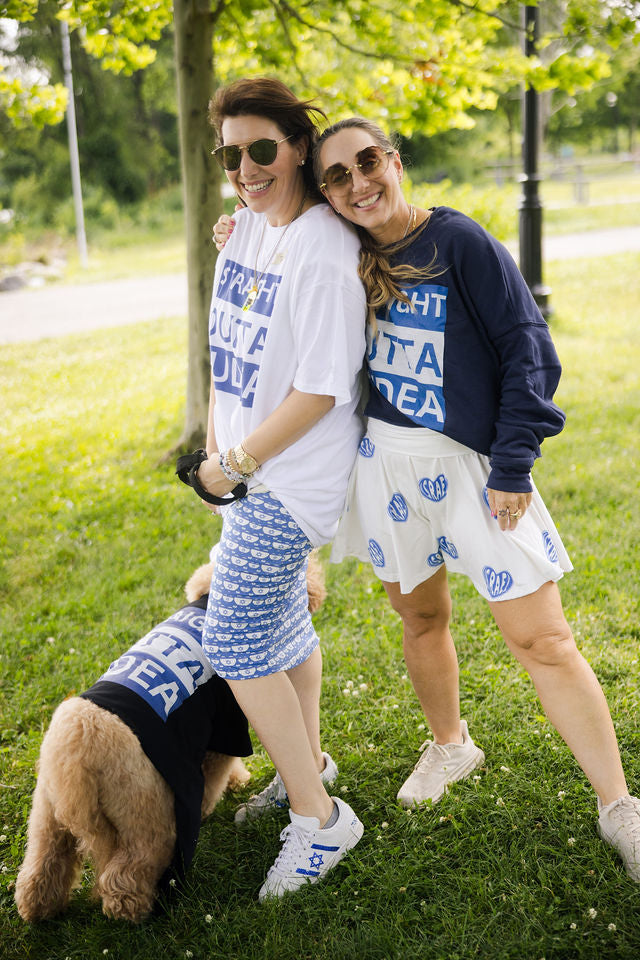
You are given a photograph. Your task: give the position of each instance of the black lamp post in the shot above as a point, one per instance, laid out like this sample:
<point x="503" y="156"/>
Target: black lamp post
<point x="530" y="203"/>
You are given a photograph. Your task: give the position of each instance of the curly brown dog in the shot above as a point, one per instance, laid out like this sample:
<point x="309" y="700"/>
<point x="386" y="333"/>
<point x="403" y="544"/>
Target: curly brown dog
<point x="129" y="793"/>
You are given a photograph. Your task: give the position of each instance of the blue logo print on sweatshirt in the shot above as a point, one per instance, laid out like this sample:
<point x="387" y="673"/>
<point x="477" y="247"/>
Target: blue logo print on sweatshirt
<point x="397" y="508"/>
<point x="236" y="337"/>
<point x="498" y="582"/>
<point x="406" y="357"/>
<point x="435" y="559"/>
<point x="166" y="666"/>
<point x="434" y="489"/>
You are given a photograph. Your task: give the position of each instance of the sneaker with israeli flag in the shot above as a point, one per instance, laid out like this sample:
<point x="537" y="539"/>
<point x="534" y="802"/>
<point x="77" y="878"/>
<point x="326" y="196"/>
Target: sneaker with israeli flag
<point x="309" y="851"/>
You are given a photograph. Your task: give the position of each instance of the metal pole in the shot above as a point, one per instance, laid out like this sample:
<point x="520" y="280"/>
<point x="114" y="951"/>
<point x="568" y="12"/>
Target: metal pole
<point x="530" y="203"/>
<point x="73" y="146"/>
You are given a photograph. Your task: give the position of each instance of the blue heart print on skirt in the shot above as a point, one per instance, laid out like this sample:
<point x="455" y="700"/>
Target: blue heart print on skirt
<point x="434" y="490"/>
<point x="498" y="582"/>
<point x="549" y="547"/>
<point x="366" y="447"/>
<point x="397" y="508"/>
<point x="448" y="547"/>
<point x="376" y="553"/>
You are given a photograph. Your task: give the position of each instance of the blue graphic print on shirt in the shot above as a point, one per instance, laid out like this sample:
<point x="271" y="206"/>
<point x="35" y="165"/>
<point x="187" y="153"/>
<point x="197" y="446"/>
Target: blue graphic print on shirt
<point x="406" y="358"/>
<point x="237" y="337"/>
<point x="166" y="666"/>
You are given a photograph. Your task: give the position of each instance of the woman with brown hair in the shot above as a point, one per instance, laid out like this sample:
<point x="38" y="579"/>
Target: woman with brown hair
<point x="462" y="373"/>
<point x="287" y="342"/>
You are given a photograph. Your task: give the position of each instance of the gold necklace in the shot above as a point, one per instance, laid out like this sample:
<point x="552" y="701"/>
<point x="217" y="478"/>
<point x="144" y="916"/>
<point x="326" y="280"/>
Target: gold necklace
<point x="411" y="221"/>
<point x="253" y="291"/>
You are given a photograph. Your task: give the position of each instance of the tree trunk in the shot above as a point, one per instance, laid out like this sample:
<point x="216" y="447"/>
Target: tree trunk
<point x="193" y="30"/>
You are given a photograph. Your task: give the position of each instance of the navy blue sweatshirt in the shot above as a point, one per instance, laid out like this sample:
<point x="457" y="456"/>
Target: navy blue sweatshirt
<point x="472" y="357"/>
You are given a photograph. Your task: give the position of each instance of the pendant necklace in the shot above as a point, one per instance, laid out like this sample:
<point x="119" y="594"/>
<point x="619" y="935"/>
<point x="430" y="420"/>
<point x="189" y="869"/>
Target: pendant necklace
<point x="253" y="291"/>
<point x="410" y="222"/>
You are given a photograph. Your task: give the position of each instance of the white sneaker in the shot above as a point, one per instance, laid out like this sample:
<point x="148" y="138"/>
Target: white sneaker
<point x="440" y="765"/>
<point x="308" y="853"/>
<point x="274" y="796"/>
<point x="619" y="826"/>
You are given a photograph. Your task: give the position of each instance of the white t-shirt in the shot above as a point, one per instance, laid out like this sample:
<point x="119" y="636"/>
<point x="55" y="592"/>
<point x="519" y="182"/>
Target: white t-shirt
<point x="305" y="330"/>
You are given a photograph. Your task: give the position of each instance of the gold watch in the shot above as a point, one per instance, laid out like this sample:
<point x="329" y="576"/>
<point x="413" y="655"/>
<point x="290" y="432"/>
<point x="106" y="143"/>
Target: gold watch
<point x="247" y="465"/>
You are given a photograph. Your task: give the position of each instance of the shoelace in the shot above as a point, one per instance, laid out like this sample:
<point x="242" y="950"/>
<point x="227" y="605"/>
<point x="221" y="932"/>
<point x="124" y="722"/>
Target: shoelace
<point x="272" y="790"/>
<point x="294" y="843"/>
<point x="430" y="756"/>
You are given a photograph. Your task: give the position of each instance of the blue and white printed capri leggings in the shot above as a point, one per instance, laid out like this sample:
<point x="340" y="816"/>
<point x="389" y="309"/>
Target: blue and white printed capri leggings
<point x="258" y="619"/>
<point x="418" y="501"/>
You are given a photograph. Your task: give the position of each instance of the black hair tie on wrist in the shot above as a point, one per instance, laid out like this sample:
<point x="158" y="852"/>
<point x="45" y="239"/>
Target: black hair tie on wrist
<point x="187" y="469"/>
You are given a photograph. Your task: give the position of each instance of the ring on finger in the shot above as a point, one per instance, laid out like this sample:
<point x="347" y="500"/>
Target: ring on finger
<point x="503" y="513"/>
<point x="516" y="514"/>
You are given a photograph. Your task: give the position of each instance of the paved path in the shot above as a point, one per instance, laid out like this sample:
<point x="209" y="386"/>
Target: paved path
<point x="55" y="310"/>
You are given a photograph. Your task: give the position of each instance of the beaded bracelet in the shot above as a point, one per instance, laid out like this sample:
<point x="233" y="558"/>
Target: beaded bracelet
<point x="232" y="475"/>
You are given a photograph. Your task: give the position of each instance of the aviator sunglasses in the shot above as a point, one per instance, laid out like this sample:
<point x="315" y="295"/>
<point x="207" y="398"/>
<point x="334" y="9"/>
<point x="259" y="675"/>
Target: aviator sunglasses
<point x="263" y="152"/>
<point x="372" y="162"/>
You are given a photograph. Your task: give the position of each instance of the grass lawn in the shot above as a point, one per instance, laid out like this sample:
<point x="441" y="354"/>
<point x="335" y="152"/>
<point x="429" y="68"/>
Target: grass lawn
<point x="96" y="542"/>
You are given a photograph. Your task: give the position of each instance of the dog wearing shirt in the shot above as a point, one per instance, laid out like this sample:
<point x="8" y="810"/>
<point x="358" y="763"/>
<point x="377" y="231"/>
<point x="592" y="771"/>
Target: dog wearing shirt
<point x="128" y="769"/>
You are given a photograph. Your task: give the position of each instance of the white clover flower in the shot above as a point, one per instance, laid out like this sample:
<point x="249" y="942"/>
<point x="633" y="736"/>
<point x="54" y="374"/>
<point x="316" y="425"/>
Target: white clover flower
<point x="105" y="951"/>
<point x="404" y="677"/>
<point x="506" y="769"/>
<point x="188" y="953"/>
<point x="379" y="837"/>
<point x="355" y="693"/>
<point x="371" y="746"/>
<point x="547" y="736"/>
<point x="561" y="794"/>
<point x="172" y="882"/>
<point x="572" y="926"/>
<point x="499" y="802"/>
<point x="50" y="640"/>
<point x="3" y="868"/>
<point x="384" y="824"/>
<point x="3" y="838"/>
<point x="593" y="913"/>
<point x="421" y="726"/>
<point x="349" y="683"/>
<point x="208" y="918"/>
<point x="402" y="889"/>
<point x="442" y="820"/>
<point x="72" y="650"/>
<point x="612" y="927"/>
<point x="347" y="692"/>
<point x="360" y="676"/>
<point x="408" y="812"/>
<point x="571" y="842"/>
<point x="476" y="778"/>
<point x="363" y="686"/>
<point x="344" y="789"/>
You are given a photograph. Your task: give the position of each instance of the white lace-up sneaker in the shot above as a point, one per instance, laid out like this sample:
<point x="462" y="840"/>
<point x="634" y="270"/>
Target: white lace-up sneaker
<point x="440" y="765"/>
<point x="619" y="826"/>
<point x="274" y="796"/>
<point x="308" y="853"/>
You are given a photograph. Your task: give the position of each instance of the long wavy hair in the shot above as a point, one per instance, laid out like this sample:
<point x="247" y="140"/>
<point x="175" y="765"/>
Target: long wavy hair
<point x="383" y="282"/>
<point x="270" y="98"/>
